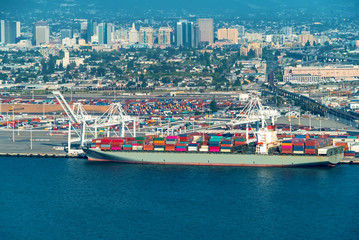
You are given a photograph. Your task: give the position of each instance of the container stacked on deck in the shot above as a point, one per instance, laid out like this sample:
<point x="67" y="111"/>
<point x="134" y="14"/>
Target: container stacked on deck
<point x="215" y="143"/>
<point x="287" y="147"/>
<point x="239" y="141"/>
<point x="171" y="143"/>
<point x="227" y="144"/>
<point x="298" y="145"/>
<point x="159" y="144"/>
<point x="137" y="144"/>
<point x="116" y="144"/>
<point x="96" y="143"/>
<point x="106" y="144"/>
<point x="311" y="147"/>
<point x="193" y="147"/>
<point x="181" y="146"/>
<point x="344" y="145"/>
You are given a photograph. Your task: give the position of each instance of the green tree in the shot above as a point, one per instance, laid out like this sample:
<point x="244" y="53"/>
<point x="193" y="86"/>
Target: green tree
<point x="213" y="106"/>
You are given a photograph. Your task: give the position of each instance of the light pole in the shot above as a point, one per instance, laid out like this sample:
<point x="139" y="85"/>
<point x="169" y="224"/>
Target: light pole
<point x="13" y="126"/>
<point x="31" y="138"/>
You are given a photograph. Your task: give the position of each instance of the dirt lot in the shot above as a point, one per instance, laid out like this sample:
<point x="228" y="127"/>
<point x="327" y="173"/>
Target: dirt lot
<point x="46" y="108"/>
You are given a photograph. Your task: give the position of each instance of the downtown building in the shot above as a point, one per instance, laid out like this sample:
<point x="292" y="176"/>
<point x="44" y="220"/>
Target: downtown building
<point x="105" y="34"/>
<point x="91" y="31"/>
<point x="165" y="35"/>
<point x="146" y="36"/>
<point x="9" y="32"/>
<point x="230" y="34"/>
<point x="312" y="75"/>
<point x="133" y="35"/>
<point x="187" y="34"/>
<point x="206" y="35"/>
<point x="41" y="34"/>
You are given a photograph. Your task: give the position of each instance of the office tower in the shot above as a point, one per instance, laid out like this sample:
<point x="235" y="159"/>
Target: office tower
<point x="287" y="30"/>
<point x="110" y="31"/>
<point x="230" y="34"/>
<point x="105" y="31"/>
<point x="306" y="37"/>
<point x="65" y="33"/>
<point x="41" y="33"/>
<point x="206" y="30"/>
<point x="18" y="29"/>
<point x="83" y="30"/>
<point x="187" y="34"/>
<point x="133" y="36"/>
<point x="91" y="30"/>
<point x="241" y="31"/>
<point x="10" y="32"/>
<point x="165" y="36"/>
<point x="102" y="36"/>
<point x="146" y="36"/>
<point x="2" y="31"/>
<point x="278" y="38"/>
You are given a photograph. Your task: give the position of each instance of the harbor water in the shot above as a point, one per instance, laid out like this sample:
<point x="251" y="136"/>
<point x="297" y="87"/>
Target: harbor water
<point x="46" y="198"/>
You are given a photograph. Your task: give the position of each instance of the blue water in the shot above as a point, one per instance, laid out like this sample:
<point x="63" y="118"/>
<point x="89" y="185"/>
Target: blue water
<point x="75" y="199"/>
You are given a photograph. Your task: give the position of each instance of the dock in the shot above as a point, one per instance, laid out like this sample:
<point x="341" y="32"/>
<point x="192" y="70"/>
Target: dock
<point x="44" y="155"/>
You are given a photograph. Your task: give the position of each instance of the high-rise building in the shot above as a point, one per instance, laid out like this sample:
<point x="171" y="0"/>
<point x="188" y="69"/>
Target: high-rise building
<point x="105" y="31"/>
<point x="146" y="36"/>
<point x="187" y="34"/>
<point x="230" y="34"/>
<point x="65" y="33"/>
<point x="2" y="31"/>
<point x="41" y="33"/>
<point x="133" y="36"/>
<point x="287" y="30"/>
<point x="206" y="30"/>
<point x="165" y="36"/>
<point x="18" y="29"/>
<point x="10" y="32"/>
<point x="91" y="30"/>
<point x="241" y="31"/>
<point x="306" y="37"/>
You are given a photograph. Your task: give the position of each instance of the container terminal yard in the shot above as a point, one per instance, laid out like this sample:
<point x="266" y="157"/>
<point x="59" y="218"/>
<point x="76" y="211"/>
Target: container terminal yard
<point x="41" y="127"/>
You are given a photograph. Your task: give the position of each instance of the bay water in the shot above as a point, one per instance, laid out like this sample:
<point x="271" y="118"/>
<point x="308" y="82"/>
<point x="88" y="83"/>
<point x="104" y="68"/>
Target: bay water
<point x="49" y="198"/>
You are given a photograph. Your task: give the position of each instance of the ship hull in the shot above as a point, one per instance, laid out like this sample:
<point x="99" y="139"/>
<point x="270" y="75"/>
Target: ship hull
<point x="212" y="159"/>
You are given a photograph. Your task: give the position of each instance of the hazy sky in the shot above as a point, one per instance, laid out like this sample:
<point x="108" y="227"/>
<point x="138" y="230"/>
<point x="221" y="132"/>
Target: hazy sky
<point x="240" y="6"/>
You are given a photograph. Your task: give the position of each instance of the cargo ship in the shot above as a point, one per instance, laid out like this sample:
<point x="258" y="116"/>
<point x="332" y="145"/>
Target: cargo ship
<point x="262" y="149"/>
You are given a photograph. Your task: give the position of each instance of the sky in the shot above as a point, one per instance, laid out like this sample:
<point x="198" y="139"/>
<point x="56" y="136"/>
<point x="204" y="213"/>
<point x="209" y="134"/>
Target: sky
<point x="213" y="6"/>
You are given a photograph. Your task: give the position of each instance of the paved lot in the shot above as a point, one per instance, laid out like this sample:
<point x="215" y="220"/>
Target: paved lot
<point x="42" y="142"/>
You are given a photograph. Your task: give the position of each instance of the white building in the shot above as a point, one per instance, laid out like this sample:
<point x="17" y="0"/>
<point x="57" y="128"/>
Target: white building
<point x="42" y="35"/>
<point x="133" y="35"/>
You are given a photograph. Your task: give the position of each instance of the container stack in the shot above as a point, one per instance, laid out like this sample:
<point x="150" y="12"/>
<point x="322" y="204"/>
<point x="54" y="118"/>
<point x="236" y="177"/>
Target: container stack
<point x="127" y="147"/>
<point x="171" y="143"/>
<point x="239" y="141"/>
<point x="298" y="145"/>
<point x="193" y="147"/>
<point x="116" y="144"/>
<point x="287" y="147"/>
<point x="106" y="144"/>
<point x="204" y="148"/>
<point x="344" y="145"/>
<point x="96" y="143"/>
<point x="311" y="147"/>
<point x="226" y="145"/>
